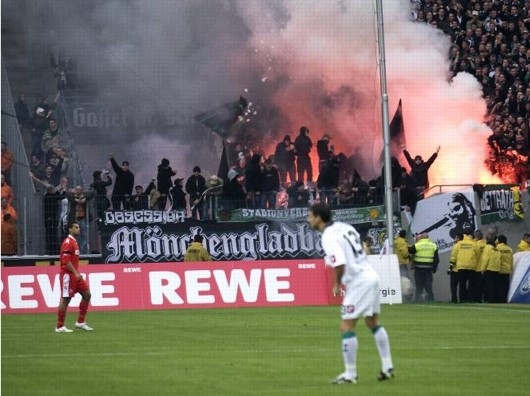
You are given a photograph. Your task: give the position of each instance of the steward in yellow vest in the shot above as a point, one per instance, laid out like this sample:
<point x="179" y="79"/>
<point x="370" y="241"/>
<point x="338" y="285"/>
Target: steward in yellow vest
<point x="425" y="264"/>
<point x="490" y="265"/>
<point x="196" y="251"/>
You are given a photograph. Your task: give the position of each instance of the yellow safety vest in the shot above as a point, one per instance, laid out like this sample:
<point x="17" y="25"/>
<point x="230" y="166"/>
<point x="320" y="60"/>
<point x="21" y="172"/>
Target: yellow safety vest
<point x="425" y="250"/>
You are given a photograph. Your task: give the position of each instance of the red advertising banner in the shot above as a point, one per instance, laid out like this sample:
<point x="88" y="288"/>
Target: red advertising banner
<point x="173" y="285"/>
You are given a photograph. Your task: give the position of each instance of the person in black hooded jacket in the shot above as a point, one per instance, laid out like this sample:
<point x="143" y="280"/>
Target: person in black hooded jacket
<point x="164" y="183"/>
<point x="195" y="186"/>
<point x="303" y="146"/>
<point x="254" y="180"/>
<point x="123" y="186"/>
<point x="419" y="169"/>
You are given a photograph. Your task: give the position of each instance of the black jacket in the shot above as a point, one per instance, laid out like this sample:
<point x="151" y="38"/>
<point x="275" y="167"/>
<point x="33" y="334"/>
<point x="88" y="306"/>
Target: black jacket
<point x="271" y="180"/>
<point x="329" y="177"/>
<point x="195" y="186"/>
<point x="141" y="201"/>
<point x="254" y="174"/>
<point x="419" y="173"/>
<point x="303" y="145"/>
<point x="124" y="180"/>
<point x="163" y="178"/>
<point x="323" y="150"/>
<point x="283" y="157"/>
<point x="178" y="198"/>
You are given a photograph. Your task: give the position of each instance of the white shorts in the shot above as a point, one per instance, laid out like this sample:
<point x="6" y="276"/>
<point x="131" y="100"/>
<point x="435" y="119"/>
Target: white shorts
<point x="361" y="297"/>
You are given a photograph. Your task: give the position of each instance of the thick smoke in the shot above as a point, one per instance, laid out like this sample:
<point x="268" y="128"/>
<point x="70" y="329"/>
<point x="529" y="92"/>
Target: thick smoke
<point x="308" y="62"/>
<point x="328" y="50"/>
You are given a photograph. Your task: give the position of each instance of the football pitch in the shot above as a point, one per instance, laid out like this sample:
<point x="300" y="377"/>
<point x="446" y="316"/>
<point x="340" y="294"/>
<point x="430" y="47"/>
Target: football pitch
<point x="438" y="349"/>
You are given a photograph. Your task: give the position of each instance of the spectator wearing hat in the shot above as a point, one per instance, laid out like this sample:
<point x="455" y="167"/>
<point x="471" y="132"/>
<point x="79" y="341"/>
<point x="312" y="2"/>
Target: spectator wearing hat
<point x="234" y="191"/>
<point x="177" y="195"/>
<point x="140" y="198"/>
<point x="419" y="169"/>
<point x="271" y="184"/>
<point x="323" y="151"/>
<point x="196" y="251"/>
<point x="303" y="146"/>
<point x="195" y="186"/>
<point x="284" y="156"/>
<point x="164" y="183"/>
<point x="123" y="185"/>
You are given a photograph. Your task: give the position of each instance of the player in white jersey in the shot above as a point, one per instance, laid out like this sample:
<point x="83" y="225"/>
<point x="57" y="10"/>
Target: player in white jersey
<point x="344" y="252"/>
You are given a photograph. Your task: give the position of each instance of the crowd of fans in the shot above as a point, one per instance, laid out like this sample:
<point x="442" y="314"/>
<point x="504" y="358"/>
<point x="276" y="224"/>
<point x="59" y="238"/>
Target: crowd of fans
<point x="50" y="165"/>
<point x="491" y="40"/>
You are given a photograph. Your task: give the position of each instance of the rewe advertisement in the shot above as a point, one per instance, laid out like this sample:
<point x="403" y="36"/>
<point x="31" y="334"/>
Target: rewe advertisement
<point x="184" y="285"/>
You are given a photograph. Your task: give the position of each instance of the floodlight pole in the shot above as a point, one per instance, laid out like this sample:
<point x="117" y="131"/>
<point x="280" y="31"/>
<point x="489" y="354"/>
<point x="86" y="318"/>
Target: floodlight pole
<point x="386" y="127"/>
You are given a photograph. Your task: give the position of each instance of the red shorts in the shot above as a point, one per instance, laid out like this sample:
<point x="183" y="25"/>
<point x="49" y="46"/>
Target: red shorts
<point x="70" y="285"/>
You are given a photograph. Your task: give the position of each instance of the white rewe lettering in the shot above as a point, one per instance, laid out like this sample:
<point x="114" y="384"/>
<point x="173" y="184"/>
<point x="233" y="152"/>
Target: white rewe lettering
<point x="17" y="292"/>
<point x="238" y="281"/>
<point x="51" y="295"/>
<point x="306" y="266"/>
<point x="164" y="284"/>
<point x="194" y="287"/>
<point x="273" y="285"/>
<point x="99" y="289"/>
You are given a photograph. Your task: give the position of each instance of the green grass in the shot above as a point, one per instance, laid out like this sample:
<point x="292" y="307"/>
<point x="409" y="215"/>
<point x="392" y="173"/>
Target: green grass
<point x="438" y="349"/>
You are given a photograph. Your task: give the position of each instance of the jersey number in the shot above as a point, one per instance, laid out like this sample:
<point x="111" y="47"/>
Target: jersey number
<point x="354" y="240"/>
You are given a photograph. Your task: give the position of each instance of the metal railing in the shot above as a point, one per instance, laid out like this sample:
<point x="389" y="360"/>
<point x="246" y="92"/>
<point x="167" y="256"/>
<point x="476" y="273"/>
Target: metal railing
<point x="26" y="203"/>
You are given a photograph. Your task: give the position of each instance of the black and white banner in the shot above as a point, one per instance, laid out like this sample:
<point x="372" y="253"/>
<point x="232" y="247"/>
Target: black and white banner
<point x="265" y="240"/>
<point x="116" y="217"/>
<point x="444" y="215"/>
<point x="234" y="241"/>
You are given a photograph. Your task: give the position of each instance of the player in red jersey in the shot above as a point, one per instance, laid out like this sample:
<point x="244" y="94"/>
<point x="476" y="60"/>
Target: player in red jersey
<point x="72" y="281"/>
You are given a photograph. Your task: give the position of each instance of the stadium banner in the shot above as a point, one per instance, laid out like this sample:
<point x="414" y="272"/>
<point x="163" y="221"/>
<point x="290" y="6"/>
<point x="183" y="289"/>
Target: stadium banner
<point x="356" y="215"/>
<point x="520" y="280"/>
<point x="115" y="217"/>
<point x="443" y="216"/>
<point x="226" y="284"/>
<point x="500" y="203"/>
<point x="151" y="243"/>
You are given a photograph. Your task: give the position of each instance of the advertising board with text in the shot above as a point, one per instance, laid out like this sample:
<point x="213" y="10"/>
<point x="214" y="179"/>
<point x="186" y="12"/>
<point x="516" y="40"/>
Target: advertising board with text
<point x="182" y="285"/>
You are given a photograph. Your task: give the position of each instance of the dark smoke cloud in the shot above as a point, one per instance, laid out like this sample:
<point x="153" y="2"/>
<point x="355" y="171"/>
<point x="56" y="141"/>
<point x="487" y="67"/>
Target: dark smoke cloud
<point x="300" y="62"/>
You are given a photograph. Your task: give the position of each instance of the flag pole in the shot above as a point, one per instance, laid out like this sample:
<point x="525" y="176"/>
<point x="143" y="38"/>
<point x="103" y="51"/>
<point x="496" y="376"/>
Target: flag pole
<point x="386" y="127"/>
